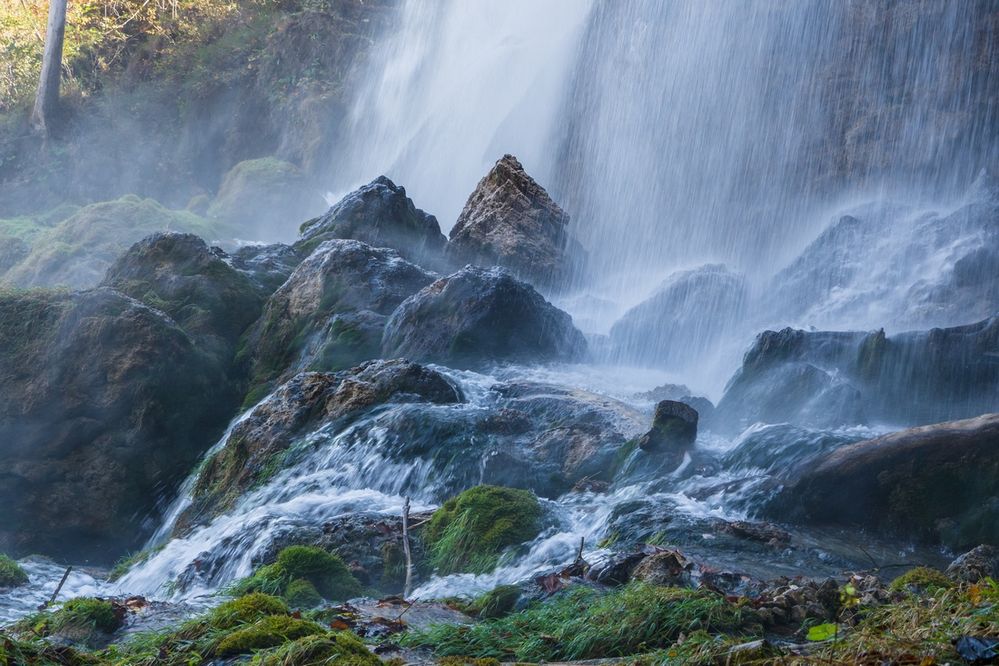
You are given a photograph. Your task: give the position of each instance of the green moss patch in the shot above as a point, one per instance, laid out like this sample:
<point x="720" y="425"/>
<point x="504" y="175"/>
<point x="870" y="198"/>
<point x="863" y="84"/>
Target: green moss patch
<point x="338" y="649"/>
<point x="267" y="632"/>
<point x="326" y="573"/>
<point x="921" y="579"/>
<point x="11" y="573"/>
<point x="471" y="531"/>
<point x="496" y="603"/>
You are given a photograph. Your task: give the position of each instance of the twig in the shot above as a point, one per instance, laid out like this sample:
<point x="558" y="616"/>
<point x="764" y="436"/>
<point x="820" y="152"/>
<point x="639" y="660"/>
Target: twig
<point x="579" y="557"/>
<point x="57" y="590"/>
<point x="405" y="548"/>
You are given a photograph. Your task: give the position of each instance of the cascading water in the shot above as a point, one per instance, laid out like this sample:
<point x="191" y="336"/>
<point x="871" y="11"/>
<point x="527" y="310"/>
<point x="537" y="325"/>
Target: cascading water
<point x="676" y="135"/>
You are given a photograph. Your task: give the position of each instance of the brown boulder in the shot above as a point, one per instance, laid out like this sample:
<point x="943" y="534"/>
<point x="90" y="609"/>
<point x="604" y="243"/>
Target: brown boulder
<point x="509" y="220"/>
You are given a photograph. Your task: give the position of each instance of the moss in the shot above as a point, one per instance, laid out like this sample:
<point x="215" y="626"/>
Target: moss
<point x="470" y="531"/>
<point x="393" y="565"/>
<point x="248" y="608"/>
<point x="18" y="652"/>
<point x="338" y="649"/>
<point x="265" y="633"/>
<point x="84" y="620"/>
<point x="467" y="661"/>
<point x="326" y="572"/>
<point x="11" y="573"/>
<point x="300" y="593"/>
<point x="498" y="602"/>
<point x="923" y="579"/>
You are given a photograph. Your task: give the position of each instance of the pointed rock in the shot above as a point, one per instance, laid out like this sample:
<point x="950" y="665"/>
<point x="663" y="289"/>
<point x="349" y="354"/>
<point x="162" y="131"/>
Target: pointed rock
<point x="509" y="220"/>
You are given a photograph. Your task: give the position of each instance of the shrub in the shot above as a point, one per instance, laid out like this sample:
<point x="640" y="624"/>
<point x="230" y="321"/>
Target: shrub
<point x="470" y="532"/>
<point x="582" y="623"/>
<point x="11" y="573"/>
<point x="267" y="632"/>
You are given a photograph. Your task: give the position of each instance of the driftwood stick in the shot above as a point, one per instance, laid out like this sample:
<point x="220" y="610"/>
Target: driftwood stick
<point x="406" y="550"/>
<point x="58" y="589"/>
<point x="582" y="541"/>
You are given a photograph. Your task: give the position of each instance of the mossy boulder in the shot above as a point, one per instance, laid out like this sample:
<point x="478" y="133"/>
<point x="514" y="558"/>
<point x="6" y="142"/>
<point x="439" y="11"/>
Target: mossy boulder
<point x="381" y="215"/>
<point x="302" y="576"/>
<point x="330" y="313"/>
<point x="194" y="284"/>
<point x="263" y="441"/>
<point x="265" y="199"/>
<point x="922" y="579"/>
<point x="108" y="404"/>
<point x="470" y="532"/>
<point x="937" y="484"/>
<point x="496" y="603"/>
<point x="478" y="317"/>
<point x="77" y="251"/>
<point x="245" y="609"/>
<point x="84" y="620"/>
<point x="335" y="648"/>
<point x="267" y="632"/>
<point x="11" y="573"/>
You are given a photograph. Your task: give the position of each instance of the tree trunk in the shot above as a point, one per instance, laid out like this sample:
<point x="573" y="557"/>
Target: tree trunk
<point x="47" y="98"/>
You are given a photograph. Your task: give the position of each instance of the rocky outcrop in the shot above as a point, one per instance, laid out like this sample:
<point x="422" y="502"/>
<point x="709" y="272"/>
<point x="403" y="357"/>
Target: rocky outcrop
<point x="267" y="266"/>
<point x="107" y="405"/>
<point x="265" y="199"/>
<point x="195" y="285"/>
<point x="978" y="563"/>
<point x="509" y="220"/>
<point x="310" y="399"/>
<point x="674" y="427"/>
<point x="330" y="313"/>
<point x="937" y="483"/>
<point x="379" y="214"/>
<point x="480" y="316"/>
<point x="832" y="378"/>
<point x="687" y="317"/>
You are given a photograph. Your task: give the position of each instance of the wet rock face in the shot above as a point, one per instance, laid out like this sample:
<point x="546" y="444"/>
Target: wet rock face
<point x="936" y="483"/>
<point x="381" y="215"/>
<point x="687" y="317"/>
<point x="180" y="275"/>
<point x="978" y="563"/>
<point x="107" y="405"/>
<point x="831" y="378"/>
<point x="674" y="427"/>
<point x="509" y="220"/>
<point x="253" y="448"/>
<point x="477" y="317"/>
<point x="267" y="266"/>
<point x="330" y="312"/>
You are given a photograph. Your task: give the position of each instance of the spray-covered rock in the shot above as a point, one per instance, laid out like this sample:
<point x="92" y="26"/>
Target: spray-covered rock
<point x="379" y="214"/>
<point x="686" y="319"/>
<point x="674" y="426"/>
<point x="509" y="220"/>
<point x="480" y="316"/>
<point x="330" y="312"/>
<point x="107" y="405"/>
<point x="937" y="483"/>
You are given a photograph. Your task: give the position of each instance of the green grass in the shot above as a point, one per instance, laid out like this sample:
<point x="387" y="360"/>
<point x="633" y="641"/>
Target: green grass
<point x="922" y="579"/>
<point x="470" y="532"/>
<point x="11" y="573"/>
<point x="585" y="624"/>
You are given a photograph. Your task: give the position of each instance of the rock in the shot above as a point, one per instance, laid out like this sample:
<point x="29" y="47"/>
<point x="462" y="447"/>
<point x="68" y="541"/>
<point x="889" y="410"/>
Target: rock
<point x="978" y="563"/>
<point x="268" y="266"/>
<point x="306" y="401"/>
<point x="509" y="220"/>
<point x="381" y="215"/>
<point x="180" y="275"/>
<point x="108" y="404"/>
<point x="937" y="483"/>
<point x="674" y="427"/>
<point x="77" y="251"/>
<point x="684" y="321"/>
<point x="12" y="251"/>
<point x="666" y="567"/>
<point x="265" y="199"/>
<point x="767" y="533"/>
<point x="616" y="569"/>
<point x="330" y="312"/>
<point x="477" y="317"/>
<point x="815" y="378"/>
